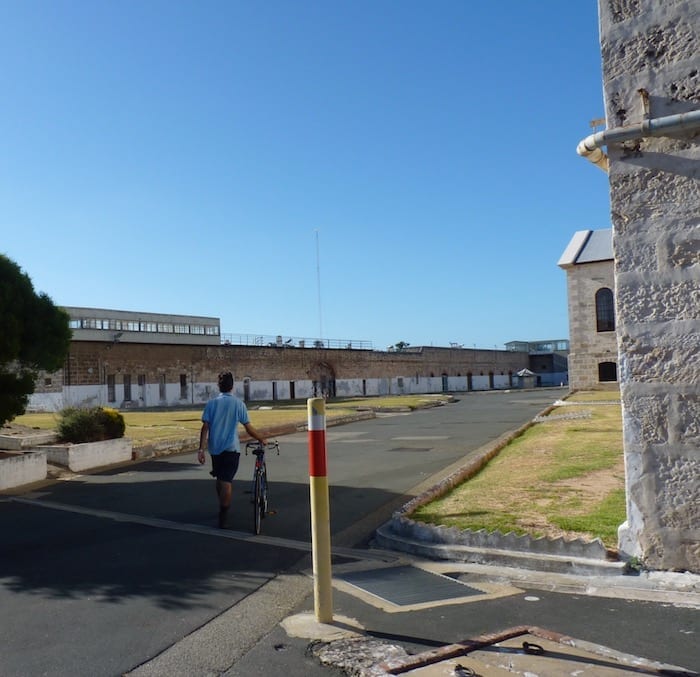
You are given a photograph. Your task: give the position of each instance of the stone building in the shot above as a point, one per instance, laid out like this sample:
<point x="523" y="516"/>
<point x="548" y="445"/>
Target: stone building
<point x="651" y="84"/>
<point x="130" y="360"/>
<point x="590" y="284"/>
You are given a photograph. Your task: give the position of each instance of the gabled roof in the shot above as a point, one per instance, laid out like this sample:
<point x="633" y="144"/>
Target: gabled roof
<point x="588" y="246"/>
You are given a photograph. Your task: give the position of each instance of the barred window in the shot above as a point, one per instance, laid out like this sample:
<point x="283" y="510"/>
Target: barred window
<point x="607" y="371"/>
<point x="605" y="310"/>
<point x="111" y="390"/>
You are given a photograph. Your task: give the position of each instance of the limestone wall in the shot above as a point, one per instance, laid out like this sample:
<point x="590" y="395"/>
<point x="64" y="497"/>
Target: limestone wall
<point x="132" y="375"/>
<point x="655" y="204"/>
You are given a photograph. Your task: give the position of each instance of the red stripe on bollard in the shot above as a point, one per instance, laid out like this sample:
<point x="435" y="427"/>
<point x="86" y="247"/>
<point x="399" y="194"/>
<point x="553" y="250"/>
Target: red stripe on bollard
<point x="317" y="453"/>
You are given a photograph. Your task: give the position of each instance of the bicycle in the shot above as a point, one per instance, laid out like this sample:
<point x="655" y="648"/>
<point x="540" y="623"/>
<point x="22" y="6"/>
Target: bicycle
<point x="260" y="480"/>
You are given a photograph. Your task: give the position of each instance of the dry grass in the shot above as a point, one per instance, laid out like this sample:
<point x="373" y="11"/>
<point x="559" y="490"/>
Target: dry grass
<point x="562" y="477"/>
<point x="157" y="426"/>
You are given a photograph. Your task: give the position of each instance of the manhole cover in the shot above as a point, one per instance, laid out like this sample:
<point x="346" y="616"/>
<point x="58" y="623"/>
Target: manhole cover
<point x="407" y="585"/>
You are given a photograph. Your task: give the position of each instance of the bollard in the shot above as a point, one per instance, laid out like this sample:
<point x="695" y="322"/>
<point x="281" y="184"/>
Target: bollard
<point x="320" y="513"/>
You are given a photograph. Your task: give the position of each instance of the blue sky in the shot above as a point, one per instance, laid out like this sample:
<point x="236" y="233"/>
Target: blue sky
<point x="188" y="157"/>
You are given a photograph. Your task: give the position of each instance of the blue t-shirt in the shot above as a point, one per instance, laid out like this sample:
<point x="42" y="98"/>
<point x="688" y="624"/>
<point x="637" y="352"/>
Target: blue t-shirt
<point x="223" y="414"/>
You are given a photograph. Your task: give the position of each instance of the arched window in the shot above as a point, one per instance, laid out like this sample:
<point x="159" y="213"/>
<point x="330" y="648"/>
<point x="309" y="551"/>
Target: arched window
<point x="607" y="371"/>
<point x="604" y="310"/>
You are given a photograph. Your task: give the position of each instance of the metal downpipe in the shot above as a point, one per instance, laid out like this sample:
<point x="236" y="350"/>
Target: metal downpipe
<point x="590" y="147"/>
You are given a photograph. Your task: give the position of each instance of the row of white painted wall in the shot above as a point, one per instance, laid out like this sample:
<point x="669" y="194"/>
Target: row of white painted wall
<point x="149" y="395"/>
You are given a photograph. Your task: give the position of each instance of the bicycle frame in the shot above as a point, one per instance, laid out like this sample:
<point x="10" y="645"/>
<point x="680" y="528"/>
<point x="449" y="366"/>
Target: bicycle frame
<point x="260" y="481"/>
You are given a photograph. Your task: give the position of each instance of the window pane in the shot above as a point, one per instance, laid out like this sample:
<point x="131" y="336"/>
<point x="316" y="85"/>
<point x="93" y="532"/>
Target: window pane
<point x="605" y="310"/>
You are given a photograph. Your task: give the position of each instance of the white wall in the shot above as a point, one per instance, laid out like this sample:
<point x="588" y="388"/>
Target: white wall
<point x="198" y="393"/>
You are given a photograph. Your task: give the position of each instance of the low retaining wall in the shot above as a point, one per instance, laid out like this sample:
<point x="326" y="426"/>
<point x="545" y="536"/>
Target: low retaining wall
<point x="26" y="440"/>
<point x="22" y="468"/>
<point x="77" y="457"/>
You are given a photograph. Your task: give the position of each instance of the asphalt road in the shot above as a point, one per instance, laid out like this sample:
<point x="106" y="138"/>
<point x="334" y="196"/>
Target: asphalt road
<point x="100" y="573"/>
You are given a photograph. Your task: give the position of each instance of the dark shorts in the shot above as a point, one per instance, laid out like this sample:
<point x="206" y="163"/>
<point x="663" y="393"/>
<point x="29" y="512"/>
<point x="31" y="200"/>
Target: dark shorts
<point x="225" y="465"/>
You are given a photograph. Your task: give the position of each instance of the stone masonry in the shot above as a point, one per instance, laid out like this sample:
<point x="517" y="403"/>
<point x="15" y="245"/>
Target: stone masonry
<point x="159" y="374"/>
<point x="650" y="69"/>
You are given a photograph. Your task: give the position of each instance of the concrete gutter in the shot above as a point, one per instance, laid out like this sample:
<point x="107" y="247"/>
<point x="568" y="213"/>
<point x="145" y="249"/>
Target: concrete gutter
<point x="590" y="147"/>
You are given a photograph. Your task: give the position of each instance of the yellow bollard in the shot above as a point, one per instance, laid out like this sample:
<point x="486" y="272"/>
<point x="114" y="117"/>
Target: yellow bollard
<point x="320" y="512"/>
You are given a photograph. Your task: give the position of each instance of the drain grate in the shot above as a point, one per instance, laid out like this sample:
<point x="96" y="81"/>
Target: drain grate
<point x="407" y="585"/>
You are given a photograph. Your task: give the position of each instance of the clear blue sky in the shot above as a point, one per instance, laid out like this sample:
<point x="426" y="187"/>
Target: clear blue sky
<point x="187" y="157"/>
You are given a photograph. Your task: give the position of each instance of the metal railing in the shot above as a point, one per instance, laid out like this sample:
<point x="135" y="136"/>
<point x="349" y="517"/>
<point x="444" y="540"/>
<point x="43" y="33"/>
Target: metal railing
<point x="280" y="341"/>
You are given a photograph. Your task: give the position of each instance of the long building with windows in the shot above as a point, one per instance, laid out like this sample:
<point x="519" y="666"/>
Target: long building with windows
<point x="115" y="326"/>
<point x="589" y="265"/>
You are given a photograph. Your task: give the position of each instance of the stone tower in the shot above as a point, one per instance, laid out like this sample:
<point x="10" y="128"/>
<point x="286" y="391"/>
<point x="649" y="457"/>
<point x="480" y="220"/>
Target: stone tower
<point x="651" y="59"/>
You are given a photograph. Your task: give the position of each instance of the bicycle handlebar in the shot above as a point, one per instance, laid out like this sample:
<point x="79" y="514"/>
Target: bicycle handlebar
<point x="257" y="446"/>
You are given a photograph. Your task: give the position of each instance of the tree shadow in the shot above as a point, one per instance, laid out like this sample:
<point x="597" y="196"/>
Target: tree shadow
<point x="84" y="538"/>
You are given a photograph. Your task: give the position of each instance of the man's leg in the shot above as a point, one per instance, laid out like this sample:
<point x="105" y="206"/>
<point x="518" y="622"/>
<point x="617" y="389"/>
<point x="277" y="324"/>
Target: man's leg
<point x="225" y="467"/>
<point x="223" y="491"/>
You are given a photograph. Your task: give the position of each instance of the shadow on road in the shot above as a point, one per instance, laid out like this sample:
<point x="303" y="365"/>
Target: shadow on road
<point x="75" y="553"/>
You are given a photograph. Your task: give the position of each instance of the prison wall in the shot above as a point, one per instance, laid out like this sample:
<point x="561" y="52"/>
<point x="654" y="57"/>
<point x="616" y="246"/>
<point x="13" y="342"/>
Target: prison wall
<point x="131" y="375"/>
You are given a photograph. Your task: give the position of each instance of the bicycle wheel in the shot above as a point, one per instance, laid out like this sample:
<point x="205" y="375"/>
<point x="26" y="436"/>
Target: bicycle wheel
<point x="263" y="494"/>
<point x="257" y="502"/>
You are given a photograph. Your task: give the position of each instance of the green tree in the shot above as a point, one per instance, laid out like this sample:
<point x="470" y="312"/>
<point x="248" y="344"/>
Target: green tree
<point x="34" y="335"/>
<point x="401" y="345"/>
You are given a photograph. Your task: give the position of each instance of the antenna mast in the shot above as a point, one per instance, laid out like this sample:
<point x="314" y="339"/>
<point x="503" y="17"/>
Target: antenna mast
<point x="318" y="287"/>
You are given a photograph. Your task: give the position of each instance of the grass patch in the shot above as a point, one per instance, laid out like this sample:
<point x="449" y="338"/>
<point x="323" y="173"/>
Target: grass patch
<point x="595" y="396"/>
<point x="561" y="477"/>
<point x="602" y="519"/>
<point x="390" y="401"/>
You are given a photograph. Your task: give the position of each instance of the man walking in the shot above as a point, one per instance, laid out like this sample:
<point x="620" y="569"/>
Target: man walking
<point x="219" y="434"/>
